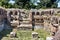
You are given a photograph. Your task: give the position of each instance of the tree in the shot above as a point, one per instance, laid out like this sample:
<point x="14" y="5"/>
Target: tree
<point x="4" y="3"/>
<point x="49" y="3"/>
<point x="23" y="3"/>
<point x="27" y="4"/>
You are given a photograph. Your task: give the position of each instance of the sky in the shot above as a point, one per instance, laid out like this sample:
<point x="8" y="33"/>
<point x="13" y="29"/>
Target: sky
<point x="11" y="1"/>
<point x="59" y="4"/>
<point x="35" y="1"/>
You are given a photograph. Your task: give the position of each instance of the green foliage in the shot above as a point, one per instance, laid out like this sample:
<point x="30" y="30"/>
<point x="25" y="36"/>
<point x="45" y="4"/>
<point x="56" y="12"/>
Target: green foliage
<point x="43" y="33"/>
<point x="57" y="14"/>
<point x="23" y="3"/>
<point x="49" y="3"/>
<point x="27" y="4"/>
<point x="4" y="3"/>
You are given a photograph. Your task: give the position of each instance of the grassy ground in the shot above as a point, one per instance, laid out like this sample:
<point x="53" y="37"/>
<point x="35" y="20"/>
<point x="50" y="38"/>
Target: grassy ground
<point x="42" y="33"/>
<point x="25" y="35"/>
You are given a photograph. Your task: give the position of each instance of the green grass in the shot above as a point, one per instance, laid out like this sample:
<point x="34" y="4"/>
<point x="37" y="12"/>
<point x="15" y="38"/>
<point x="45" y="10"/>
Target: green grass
<point x="27" y="34"/>
<point x="43" y="33"/>
<point x="57" y="14"/>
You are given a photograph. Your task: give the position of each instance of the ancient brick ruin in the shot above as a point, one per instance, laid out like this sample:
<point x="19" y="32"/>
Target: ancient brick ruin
<point x="28" y="19"/>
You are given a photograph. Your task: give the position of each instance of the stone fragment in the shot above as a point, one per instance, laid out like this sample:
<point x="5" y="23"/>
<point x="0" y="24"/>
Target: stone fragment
<point x="12" y="34"/>
<point x="35" y="36"/>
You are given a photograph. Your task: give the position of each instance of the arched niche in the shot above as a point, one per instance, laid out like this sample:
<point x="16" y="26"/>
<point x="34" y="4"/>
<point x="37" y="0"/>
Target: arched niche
<point x="11" y="13"/>
<point x="15" y="13"/>
<point x="37" y="13"/>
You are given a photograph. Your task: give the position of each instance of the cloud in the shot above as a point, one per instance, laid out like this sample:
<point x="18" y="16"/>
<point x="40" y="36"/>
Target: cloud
<point x="11" y="1"/>
<point x="59" y="4"/>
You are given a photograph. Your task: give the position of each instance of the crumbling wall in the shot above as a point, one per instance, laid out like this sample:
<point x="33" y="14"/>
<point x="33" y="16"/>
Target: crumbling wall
<point x="31" y="17"/>
<point x="13" y="16"/>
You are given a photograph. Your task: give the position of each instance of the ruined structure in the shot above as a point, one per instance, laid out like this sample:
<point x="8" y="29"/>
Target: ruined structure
<point x="24" y="19"/>
<point x="19" y="18"/>
<point x="28" y="19"/>
<point x="31" y="19"/>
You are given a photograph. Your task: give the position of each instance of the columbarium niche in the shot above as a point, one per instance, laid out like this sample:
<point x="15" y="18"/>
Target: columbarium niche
<point x="37" y="13"/>
<point x="59" y="21"/>
<point x="46" y="13"/>
<point x="11" y="13"/>
<point x="54" y="20"/>
<point x="37" y="20"/>
<point x="33" y="13"/>
<point x="13" y="18"/>
<point x="15" y="13"/>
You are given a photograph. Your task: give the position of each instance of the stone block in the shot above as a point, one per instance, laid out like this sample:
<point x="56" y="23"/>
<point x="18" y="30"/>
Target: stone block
<point x="13" y="34"/>
<point x="35" y="35"/>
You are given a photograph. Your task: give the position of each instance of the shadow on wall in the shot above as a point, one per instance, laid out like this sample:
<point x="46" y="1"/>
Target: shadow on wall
<point x="4" y="33"/>
<point x="7" y="29"/>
